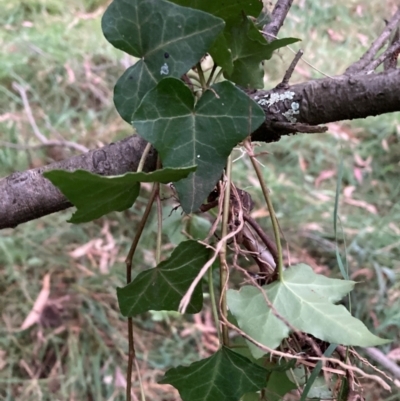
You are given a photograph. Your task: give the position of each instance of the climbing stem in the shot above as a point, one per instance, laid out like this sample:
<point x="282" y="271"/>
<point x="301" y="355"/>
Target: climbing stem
<point x="214" y="302"/>
<point x="274" y="220"/>
<point x="159" y="225"/>
<point x="201" y="76"/>
<point x="128" y="262"/>
<point x="143" y="158"/>
<point x="223" y="269"/>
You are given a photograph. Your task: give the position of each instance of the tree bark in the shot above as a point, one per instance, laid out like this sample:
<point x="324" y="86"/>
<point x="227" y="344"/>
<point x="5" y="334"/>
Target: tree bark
<point x="27" y="195"/>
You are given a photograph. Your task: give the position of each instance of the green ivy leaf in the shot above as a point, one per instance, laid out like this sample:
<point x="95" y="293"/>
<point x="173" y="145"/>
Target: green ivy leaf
<point x="251" y="397"/>
<point x="203" y="133"/>
<point x="163" y="287"/>
<point x="225" y="376"/>
<point x="240" y="47"/>
<point x="249" y="49"/>
<point x="306" y="301"/>
<point x="167" y="38"/>
<point x="278" y="385"/>
<point x="232" y="13"/>
<point x="95" y="195"/>
<point x="195" y="225"/>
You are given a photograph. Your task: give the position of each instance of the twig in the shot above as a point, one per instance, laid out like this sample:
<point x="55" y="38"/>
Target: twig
<point x="186" y="298"/>
<point x="142" y="395"/>
<point x="391" y="62"/>
<point x="375" y="47"/>
<point x="274" y="220"/>
<point x="28" y="111"/>
<point x="392" y="50"/>
<point x="214" y="304"/>
<point x="264" y="237"/>
<point x="223" y="269"/>
<point x="288" y="74"/>
<point x="128" y="262"/>
<point x="278" y="16"/>
<point x="22" y="92"/>
<point x="382" y="359"/>
<point x="143" y="158"/>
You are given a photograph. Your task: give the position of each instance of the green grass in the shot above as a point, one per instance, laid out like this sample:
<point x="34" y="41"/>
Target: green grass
<point x="57" y="51"/>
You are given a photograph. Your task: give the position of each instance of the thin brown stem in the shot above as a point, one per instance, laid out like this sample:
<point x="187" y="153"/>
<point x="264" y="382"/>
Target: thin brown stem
<point x="278" y="17"/>
<point x="264" y="237"/>
<point x="288" y="74"/>
<point x="209" y="80"/>
<point x="393" y="49"/>
<point x="128" y="262"/>
<point x="223" y="269"/>
<point x="375" y="47"/>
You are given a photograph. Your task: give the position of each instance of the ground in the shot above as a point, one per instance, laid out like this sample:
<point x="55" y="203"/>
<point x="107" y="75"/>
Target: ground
<point x="55" y="54"/>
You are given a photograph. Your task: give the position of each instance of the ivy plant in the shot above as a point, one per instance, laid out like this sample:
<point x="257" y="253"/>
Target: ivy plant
<point x="186" y="95"/>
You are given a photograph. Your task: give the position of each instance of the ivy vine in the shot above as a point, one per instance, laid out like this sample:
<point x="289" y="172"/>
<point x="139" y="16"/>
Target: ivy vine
<point x="194" y="116"/>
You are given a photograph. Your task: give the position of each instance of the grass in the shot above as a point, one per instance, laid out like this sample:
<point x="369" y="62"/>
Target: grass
<point x="78" y="351"/>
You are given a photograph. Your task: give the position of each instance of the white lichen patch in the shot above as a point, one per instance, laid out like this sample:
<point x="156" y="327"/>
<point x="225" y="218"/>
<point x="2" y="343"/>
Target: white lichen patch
<point x="290" y="114"/>
<point x="269" y="100"/>
<point x="164" y="69"/>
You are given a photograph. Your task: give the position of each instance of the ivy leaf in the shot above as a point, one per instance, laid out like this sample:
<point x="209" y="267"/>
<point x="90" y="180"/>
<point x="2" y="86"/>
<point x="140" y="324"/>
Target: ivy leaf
<point x="163" y="287"/>
<point x="278" y="385"/>
<point x="167" y="38"/>
<point x="203" y="133"/>
<point x="249" y="49"/>
<point x="240" y="47"/>
<point x="306" y="301"/>
<point x="225" y="376"/>
<point x="195" y="225"/>
<point x="232" y="13"/>
<point x="95" y="195"/>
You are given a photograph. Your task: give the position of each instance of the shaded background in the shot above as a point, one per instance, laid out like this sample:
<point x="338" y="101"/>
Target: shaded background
<point x="54" y="54"/>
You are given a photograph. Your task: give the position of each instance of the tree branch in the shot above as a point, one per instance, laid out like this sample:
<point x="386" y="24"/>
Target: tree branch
<point x="278" y="17"/>
<point x="28" y="195"/>
<point x="376" y="46"/>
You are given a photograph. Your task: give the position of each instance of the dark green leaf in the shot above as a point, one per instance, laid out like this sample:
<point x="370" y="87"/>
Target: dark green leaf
<point x="225" y="376"/>
<point x="163" y="287"/>
<point x="185" y="133"/>
<point x="167" y="38"/>
<point x="306" y="301"/>
<point x="249" y="49"/>
<point x="96" y="195"/>
<point x="240" y="48"/>
<point x="278" y="385"/>
<point x="251" y="397"/>
<point x="232" y="13"/>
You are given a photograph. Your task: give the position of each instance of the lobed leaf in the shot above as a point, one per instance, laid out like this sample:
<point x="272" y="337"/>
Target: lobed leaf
<point x="232" y="13"/>
<point x="240" y="48"/>
<point x="225" y="376"/>
<point x="95" y="195"/>
<point x="305" y="300"/>
<point x="249" y="48"/>
<point x="163" y="287"/>
<point x="203" y="133"/>
<point x="167" y="38"/>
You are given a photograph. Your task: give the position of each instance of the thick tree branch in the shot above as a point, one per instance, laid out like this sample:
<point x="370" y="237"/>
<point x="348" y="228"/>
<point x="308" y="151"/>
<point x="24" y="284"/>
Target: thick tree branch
<point x="27" y="195"/>
<point x="327" y="100"/>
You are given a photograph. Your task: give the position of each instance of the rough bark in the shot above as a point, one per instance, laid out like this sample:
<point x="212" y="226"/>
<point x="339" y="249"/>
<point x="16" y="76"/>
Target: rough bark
<point x="28" y="195"/>
<point x="327" y="100"/>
